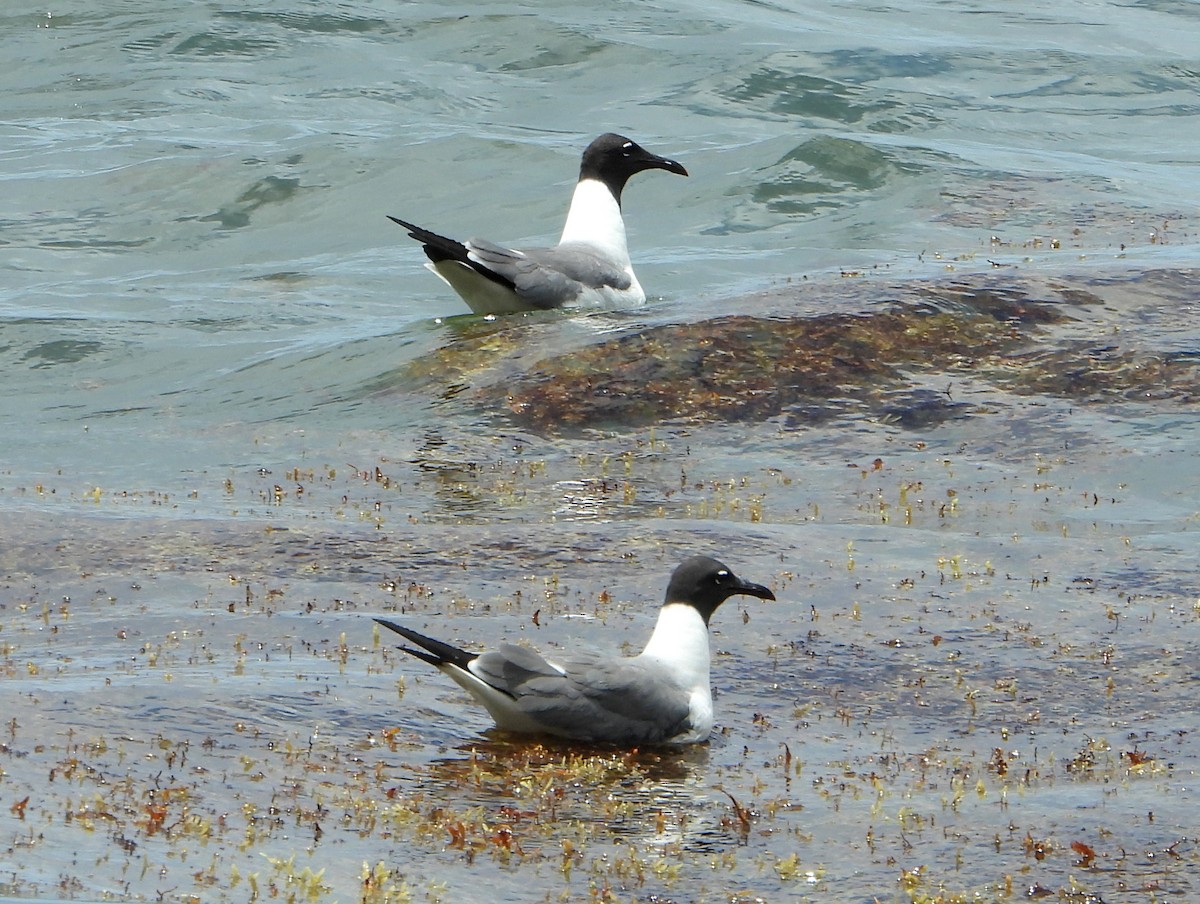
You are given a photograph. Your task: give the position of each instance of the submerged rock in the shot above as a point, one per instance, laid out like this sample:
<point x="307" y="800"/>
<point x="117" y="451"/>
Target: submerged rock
<point x="895" y="362"/>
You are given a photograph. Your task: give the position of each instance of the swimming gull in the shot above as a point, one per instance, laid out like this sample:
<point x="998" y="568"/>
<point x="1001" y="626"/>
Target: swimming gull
<point x="589" y="265"/>
<point x="660" y="696"/>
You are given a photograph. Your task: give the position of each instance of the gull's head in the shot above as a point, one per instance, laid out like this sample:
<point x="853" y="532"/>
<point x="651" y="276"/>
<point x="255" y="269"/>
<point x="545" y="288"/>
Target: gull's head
<point x="613" y="158"/>
<point x="704" y="583"/>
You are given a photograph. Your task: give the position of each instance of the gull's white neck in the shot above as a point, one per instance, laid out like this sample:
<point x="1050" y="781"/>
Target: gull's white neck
<point x="595" y="219"/>
<point x="680" y="642"/>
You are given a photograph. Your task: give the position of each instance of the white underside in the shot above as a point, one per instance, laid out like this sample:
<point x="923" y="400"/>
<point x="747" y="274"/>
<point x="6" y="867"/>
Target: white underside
<point x="501" y="706"/>
<point x="482" y="295"/>
<point x="594" y="218"/>
<point x="680" y="644"/>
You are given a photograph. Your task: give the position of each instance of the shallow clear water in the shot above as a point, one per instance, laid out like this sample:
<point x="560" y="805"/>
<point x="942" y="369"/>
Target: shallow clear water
<point x="238" y="415"/>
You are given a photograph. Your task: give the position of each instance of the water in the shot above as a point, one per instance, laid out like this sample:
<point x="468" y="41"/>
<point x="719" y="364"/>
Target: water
<point x="238" y="416"/>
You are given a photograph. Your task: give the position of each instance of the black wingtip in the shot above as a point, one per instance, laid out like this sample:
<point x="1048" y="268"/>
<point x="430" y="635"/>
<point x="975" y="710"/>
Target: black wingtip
<point x="439" y="248"/>
<point x="435" y="652"/>
<point x="414" y="231"/>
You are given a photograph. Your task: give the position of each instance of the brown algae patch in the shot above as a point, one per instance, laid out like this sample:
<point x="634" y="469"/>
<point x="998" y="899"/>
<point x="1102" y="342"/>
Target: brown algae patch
<point x="735" y="368"/>
<point x="833" y="365"/>
<point x="877" y="364"/>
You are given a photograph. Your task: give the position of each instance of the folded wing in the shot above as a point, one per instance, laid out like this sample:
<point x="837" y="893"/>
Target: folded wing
<point x="547" y="277"/>
<point x="589" y="698"/>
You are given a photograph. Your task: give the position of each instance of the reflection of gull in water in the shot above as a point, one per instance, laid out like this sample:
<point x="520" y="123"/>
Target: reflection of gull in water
<point x="658" y="798"/>
<point x="660" y="696"/>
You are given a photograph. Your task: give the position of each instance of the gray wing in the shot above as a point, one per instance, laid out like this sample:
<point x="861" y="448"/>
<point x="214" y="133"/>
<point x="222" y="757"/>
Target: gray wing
<point x="598" y="699"/>
<point x="550" y="277"/>
<point x="511" y="666"/>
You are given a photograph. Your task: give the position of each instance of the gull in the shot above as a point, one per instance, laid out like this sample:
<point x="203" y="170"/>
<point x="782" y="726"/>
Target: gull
<point x="589" y="265"/>
<point x="660" y="696"/>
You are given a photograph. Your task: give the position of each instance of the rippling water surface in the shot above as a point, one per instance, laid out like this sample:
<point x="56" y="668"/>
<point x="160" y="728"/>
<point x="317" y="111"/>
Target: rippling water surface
<point x="921" y="352"/>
